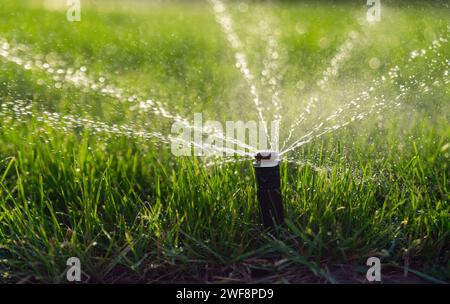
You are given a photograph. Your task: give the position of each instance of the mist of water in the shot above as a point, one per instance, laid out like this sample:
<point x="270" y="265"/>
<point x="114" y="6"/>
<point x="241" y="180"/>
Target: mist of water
<point x="369" y="101"/>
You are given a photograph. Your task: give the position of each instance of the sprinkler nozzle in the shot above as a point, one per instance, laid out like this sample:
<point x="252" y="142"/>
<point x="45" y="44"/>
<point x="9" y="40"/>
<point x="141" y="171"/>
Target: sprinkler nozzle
<point x="267" y="171"/>
<point x="266" y="159"/>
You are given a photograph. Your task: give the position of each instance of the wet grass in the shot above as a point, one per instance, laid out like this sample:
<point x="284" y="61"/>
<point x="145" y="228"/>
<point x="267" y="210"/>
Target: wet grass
<point x="132" y="212"/>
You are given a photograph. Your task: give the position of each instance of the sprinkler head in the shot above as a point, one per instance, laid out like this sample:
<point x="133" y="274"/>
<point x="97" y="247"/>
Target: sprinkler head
<point x="266" y="159"/>
<point x="267" y="171"/>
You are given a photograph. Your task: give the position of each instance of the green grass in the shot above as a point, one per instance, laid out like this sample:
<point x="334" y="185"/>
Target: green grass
<point x="133" y="212"/>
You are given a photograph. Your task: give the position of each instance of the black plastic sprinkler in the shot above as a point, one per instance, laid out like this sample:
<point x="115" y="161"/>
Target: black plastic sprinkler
<point x="267" y="171"/>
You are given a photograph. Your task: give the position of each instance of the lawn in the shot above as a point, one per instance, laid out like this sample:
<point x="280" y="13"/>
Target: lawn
<point x="86" y="169"/>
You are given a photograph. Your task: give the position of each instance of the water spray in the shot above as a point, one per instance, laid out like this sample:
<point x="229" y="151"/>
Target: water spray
<point x="267" y="171"/>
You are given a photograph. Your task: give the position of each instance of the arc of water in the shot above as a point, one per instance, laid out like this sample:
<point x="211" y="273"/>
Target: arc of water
<point x="271" y="73"/>
<point x="58" y="121"/>
<point x="393" y="74"/>
<point x="311" y="136"/>
<point x="342" y="55"/>
<point x="226" y="23"/>
<point x="299" y="120"/>
<point x="354" y="102"/>
<point x="78" y="78"/>
<point x="357" y="117"/>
